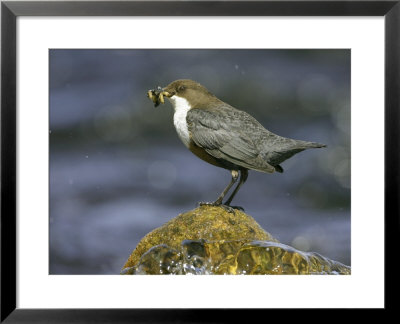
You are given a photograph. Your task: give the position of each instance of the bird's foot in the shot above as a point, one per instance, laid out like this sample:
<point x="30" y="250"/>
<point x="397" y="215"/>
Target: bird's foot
<point x="227" y="208"/>
<point x="238" y="208"/>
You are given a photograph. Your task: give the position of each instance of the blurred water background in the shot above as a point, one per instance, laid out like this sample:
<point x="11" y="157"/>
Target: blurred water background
<point x="118" y="169"/>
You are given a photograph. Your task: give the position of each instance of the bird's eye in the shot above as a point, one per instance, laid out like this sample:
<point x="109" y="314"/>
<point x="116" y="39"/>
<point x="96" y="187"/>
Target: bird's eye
<point x="181" y="88"/>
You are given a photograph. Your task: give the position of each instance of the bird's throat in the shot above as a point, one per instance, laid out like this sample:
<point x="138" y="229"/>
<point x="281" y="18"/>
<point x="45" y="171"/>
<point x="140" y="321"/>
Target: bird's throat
<point x="181" y="107"/>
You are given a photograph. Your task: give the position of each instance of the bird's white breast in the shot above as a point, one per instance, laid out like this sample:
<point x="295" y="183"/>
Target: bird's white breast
<point x="181" y="106"/>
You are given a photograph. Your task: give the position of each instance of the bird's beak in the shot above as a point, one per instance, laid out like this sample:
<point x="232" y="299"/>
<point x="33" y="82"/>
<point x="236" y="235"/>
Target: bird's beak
<point x="157" y="95"/>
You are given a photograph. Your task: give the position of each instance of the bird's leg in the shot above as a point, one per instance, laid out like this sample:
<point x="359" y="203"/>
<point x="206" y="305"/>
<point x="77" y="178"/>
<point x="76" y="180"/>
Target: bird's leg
<point x="235" y="176"/>
<point x="244" y="173"/>
<point x="218" y="202"/>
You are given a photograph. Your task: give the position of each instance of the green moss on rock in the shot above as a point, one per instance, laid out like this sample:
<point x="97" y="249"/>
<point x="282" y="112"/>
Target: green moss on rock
<point x="205" y="222"/>
<point x="209" y="240"/>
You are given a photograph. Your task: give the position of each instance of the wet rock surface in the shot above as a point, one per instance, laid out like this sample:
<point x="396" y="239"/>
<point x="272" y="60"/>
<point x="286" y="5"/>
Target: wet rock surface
<point x="209" y="240"/>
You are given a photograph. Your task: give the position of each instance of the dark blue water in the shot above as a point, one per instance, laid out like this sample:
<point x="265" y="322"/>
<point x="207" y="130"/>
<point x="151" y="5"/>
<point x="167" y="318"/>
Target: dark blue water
<point x="118" y="169"/>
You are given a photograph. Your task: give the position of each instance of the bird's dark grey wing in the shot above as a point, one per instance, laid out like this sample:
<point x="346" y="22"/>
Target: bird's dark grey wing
<point x="220" y="132"/>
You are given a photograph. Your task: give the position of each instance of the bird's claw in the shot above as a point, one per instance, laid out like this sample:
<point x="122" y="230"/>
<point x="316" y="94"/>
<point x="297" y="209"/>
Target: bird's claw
<point x="229" y="209"/>
<point x="238" y="208"/>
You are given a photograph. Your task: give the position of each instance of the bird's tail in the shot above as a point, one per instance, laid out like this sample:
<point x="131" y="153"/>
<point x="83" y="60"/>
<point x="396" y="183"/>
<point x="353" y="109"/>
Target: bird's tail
<point x="312" y="145"/>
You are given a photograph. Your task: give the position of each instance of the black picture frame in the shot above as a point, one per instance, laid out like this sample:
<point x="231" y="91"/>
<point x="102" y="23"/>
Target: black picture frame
<point x="10" y="10"/>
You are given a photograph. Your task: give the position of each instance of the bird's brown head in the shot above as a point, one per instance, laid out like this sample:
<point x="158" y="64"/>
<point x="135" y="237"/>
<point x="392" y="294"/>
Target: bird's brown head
<point x="190" y="90"/>
<point x="185" y="88"/>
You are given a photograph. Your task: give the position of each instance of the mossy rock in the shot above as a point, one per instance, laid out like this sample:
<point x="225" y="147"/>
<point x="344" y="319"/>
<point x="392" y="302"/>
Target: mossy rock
<point x="205" y="222"/>
<point x="210" y="240"/>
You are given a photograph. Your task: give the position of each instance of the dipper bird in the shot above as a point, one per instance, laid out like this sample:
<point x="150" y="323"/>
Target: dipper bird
<point x="225" y="136"/>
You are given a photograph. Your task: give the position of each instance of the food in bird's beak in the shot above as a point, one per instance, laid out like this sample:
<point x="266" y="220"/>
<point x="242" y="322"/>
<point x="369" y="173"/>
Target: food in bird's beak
<point x="157" y="95"/>
<point x="154" y="96"/>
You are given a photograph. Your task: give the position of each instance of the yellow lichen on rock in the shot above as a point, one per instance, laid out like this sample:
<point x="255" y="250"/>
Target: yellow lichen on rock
<point x="205" y="222"/>
<point x="210" y="240"/>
